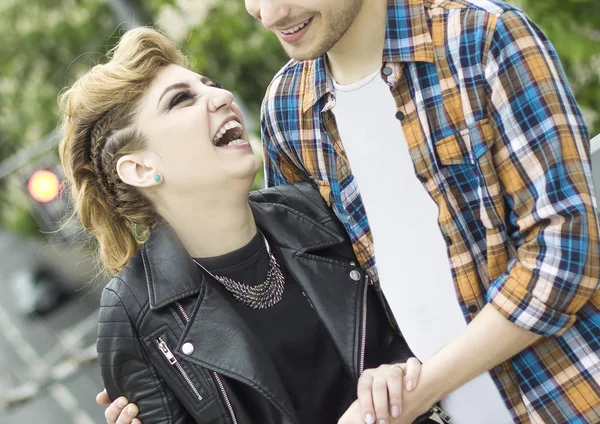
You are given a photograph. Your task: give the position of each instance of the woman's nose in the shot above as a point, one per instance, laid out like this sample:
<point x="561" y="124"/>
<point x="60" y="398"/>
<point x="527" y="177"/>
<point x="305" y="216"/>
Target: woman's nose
<point x="219" y="98"/>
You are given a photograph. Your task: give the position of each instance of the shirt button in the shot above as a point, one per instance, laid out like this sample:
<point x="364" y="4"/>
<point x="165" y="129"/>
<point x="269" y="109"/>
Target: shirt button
<point x="399" y="116"/>
<point x="448" y="240"/>
<point x="387" y="71"/>
<point x="472" y="308"/>
<point x="187" y="348"/>
<point x="421" y="178"/>
<point x="355" y="275"/>
<point x="498" y="369"/>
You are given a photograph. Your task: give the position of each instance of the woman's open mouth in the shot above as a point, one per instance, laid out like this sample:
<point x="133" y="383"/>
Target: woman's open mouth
<point x="230" y="135"/>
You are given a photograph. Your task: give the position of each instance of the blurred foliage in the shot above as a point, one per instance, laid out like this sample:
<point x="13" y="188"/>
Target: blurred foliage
<point x="48" y="43"/>
<point x="45" y="42"/>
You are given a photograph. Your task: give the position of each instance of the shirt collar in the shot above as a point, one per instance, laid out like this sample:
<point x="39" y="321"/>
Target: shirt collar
<point x="407" y="39"/>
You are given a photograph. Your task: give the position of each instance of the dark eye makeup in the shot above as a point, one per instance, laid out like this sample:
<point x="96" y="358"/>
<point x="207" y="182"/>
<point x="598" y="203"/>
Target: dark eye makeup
<point x="179" y="97"/>
<point x="184" y="95"/>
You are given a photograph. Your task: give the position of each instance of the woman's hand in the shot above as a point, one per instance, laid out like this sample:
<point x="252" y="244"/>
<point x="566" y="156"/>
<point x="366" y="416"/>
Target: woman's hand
<point x="381" y="391"/>
<point x="118" y="412"/>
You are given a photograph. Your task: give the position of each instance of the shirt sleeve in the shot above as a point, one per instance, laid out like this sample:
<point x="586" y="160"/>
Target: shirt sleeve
<point x="542" y="155"/>
<point x="279" y="168"/>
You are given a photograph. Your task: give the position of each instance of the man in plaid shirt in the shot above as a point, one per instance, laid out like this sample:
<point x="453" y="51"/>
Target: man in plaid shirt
<point x="492" y="134"/>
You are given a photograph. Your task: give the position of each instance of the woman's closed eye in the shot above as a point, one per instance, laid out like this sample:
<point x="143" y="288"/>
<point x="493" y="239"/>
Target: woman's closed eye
<point x="180" y="97"/>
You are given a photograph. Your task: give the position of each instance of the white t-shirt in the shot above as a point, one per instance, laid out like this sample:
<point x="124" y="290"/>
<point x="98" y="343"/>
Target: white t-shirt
<point x="410" y="251"/>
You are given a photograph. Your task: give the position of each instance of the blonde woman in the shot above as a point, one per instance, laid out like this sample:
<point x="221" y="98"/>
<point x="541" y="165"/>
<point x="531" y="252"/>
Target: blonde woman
<point x="230" y="310"/>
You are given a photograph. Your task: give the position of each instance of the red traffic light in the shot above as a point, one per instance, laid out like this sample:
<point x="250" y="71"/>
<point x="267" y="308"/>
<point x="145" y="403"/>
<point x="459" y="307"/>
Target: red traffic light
<point x="44" y="186"/>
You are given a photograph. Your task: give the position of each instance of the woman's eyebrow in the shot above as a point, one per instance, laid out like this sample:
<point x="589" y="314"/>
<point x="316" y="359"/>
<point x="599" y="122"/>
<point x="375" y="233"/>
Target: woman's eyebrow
<point x="173" y="87"/>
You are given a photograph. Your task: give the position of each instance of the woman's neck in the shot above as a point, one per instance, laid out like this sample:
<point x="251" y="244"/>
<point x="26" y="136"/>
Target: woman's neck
<point x="211" y="226"/>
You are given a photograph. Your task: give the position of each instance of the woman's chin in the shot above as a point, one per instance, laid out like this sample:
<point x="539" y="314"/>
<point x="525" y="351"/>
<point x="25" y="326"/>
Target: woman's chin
<point x="245" y="169"/>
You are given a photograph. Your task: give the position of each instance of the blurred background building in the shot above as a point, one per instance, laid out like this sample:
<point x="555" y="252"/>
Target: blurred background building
<point x="48" y="277"/>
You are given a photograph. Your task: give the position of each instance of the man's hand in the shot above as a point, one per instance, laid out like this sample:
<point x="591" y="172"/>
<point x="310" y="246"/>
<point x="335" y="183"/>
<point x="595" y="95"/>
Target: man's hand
<point x="120" y="411"/>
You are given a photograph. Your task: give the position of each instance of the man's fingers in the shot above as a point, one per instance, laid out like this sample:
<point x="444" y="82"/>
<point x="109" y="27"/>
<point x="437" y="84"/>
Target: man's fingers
<point x="413" y="372"/>
<point x="380" y="398"/>
<point x="365" y="397"/>
<point x="128" y="414"/>
<point x="114" y="410"/>
<point x="102" y="398"/>
<point x="395" y="386"/>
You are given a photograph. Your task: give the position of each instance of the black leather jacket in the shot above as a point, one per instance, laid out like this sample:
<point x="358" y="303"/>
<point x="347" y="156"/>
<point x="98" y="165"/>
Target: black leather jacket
<point x="171" y="343"/>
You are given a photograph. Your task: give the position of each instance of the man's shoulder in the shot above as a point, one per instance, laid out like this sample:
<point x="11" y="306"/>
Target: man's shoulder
<point x="492" y="7"/>
<point x="287" y="82"/>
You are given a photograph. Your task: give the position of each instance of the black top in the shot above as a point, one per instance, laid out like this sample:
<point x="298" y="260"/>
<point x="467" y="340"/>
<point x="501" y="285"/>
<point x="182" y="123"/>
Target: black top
<point x="292" y="333"/>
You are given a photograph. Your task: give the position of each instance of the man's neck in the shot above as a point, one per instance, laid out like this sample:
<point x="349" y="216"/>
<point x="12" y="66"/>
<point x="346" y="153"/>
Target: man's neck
<point x="211" y="226"/>
<point x="359" y="52"/>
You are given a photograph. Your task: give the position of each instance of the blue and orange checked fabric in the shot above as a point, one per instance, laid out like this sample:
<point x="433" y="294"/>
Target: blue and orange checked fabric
<point x="498" y="141"/>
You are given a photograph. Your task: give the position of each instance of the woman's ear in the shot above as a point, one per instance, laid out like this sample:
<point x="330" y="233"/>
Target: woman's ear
<point x="137" y="170"/>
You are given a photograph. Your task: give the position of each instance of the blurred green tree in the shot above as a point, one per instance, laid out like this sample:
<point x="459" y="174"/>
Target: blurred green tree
<point x="45" y="43"/>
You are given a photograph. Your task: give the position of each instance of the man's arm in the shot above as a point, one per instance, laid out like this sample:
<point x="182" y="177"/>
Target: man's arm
<point x="542" y="158"/>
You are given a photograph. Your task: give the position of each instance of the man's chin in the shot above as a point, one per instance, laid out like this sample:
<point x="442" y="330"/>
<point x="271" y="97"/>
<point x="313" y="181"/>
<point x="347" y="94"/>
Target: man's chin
<point x="302" y="53"/>
<point x="303" y="50"/>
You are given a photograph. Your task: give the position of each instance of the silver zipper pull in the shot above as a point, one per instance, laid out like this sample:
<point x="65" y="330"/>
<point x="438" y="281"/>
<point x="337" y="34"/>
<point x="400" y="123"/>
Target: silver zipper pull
<point x="166" y="351"/>
<point x="439" y="413"/>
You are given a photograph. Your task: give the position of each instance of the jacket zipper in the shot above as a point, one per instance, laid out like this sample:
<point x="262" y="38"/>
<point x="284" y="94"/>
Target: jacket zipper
<point x="162" y="346"/>
<point x="184" y="314"/>
<point x="217" y="378"/>
<point x="225" y="397"/>
<point x="363" y="340"/>
<point x="439" y="413"/>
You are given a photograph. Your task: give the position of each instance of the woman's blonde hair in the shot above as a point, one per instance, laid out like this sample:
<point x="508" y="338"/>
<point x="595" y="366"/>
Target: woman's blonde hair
<point x="98" y="128"/>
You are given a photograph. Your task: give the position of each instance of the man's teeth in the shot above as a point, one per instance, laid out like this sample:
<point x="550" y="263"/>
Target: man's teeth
<point x="295" y="29"/>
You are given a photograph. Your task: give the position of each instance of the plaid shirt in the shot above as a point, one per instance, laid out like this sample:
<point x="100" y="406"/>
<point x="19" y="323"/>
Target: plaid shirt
<point x="500" y="144"/>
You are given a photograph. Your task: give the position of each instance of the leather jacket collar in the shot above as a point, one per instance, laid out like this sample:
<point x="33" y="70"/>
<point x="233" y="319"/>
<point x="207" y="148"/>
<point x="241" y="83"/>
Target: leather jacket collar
<point x="172" y="274"/>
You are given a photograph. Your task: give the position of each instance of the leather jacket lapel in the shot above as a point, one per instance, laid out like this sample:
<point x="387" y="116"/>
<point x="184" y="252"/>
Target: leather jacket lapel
<point x="219" y="337"/>
<point x="332" y="297"/>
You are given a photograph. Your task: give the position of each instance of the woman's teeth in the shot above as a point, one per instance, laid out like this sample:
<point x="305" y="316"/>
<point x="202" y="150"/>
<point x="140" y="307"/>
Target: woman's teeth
<point x="294" y="29"/>
<point x="237" y="142"/>
<point x="226" y="127"/>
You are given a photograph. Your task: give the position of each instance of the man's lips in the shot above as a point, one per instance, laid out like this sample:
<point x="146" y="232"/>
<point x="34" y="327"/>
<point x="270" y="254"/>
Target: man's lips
<point x="294" y="33"/>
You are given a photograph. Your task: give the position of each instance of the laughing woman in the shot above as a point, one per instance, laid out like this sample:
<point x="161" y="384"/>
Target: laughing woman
<point x="223" y="308"/>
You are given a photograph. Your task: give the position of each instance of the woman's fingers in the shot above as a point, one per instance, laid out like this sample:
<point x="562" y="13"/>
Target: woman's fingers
<point x="395" y="386"/>
<point x="413" y="372"/>
<point x="380" y="397"/>
<point x="365" y="396"/>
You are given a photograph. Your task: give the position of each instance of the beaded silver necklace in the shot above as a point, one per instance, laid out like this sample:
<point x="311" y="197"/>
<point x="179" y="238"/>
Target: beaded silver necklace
<point x="260" y="296"/>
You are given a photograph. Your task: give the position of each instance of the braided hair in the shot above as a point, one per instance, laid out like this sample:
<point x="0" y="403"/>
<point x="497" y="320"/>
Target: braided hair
<point x="98" y="128"/>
